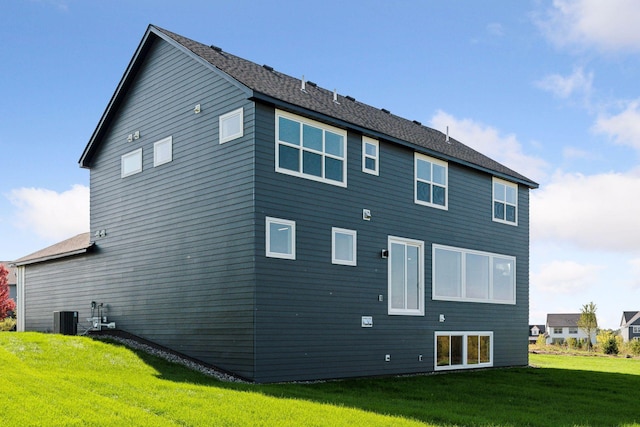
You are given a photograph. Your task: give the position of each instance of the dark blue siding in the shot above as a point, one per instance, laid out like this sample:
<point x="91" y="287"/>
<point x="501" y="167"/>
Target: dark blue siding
<point x="308" y="321"/>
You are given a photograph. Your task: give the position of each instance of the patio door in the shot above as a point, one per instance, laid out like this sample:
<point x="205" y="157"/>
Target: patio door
<point x="406" y="276"/>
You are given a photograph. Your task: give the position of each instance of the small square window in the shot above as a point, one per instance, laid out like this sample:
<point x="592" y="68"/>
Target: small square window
<point x="231" y="126"/>
<point x="163" y="151"/>
<point x="343" y="246"/>
<point x="280" y="236"/>
<point x="131" y="163"/>
<point x="370" y="155"/>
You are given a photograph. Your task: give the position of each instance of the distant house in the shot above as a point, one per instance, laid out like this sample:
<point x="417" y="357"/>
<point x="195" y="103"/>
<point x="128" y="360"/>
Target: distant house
<point x="11" y="277"/>
<point x="282" y="231"/>
<point x="630" y="326"/>
<point x="560" y="327"/>
<point x="534" y="332"/>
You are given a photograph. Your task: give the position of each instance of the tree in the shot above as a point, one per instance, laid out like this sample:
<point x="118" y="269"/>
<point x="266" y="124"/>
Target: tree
<point x="7" y="305"/>
<point x="588" y="321"/>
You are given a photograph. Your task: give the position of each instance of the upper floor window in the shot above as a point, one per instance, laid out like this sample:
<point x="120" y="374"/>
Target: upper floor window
<point x="163" y="151"/>
<point x="573" y="330"/>
<point x="430" y="181"/>
<point x="466" y="275"/>
<point x="370" y="155"/>
<point x="557" y="330"/>
<point x="231" y="125"/>
<point x="636" y="329"/>
<point x="131" y="163"/>
<point x="505" y="202"/>
<point x="280" y="237"/>
<point x="311" y="150"/>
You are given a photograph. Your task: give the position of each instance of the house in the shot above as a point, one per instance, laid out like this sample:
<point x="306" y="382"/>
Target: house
<point x="282" y="231"/>
<point x="560" y="327"/>
<point x="630" y="326"/>
<point x="11" y="278"/>
<point x="534" y="332"/>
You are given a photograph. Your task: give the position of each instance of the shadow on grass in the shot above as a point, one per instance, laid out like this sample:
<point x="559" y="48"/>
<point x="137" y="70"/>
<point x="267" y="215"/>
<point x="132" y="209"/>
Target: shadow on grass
<point x="495" y="397"/>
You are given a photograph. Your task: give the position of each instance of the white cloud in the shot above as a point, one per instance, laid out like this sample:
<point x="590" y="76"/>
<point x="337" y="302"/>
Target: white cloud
<point x="505" y="149"/>
<point x="576" y="153"/>
<point x="578" y="83"/>
<point x="609" y="25"/>
<point x="623" y="128"/>
<point x="598" y="212"/>
<point x="50" y="214"/>
<point x="565" y="277"/>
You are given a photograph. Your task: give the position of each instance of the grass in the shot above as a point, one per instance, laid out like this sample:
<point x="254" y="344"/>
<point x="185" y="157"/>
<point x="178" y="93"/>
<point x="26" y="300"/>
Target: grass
<point x="56" y="380"/>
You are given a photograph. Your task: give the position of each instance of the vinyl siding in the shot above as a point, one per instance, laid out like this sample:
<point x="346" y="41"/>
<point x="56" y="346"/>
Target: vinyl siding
<point x="309" y="310"/>
<point x="176" y="265"/>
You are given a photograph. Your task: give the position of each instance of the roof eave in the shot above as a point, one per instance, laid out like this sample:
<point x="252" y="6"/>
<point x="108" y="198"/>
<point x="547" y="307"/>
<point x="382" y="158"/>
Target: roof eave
<point x="53" y="257"/>
<point x="257" y="96"/>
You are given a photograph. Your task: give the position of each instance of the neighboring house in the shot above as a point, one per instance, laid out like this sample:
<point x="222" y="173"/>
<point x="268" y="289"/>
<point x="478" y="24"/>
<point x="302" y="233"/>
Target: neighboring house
<point x="630" y="326"/>
<point x="11" y="278"/>
<point x="282" y="232"/>
<point x="534" y="332"/>
<point x="560" y="327"/>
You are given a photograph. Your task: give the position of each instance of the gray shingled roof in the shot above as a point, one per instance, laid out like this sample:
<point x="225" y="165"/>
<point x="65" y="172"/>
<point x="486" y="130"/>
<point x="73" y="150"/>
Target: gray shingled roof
<point x="76" y="245"/>
<point x="278" y="86"/>
<point x="561" y="320"/>
<point x="268" y="85"/>
<point x="629" y="318"/>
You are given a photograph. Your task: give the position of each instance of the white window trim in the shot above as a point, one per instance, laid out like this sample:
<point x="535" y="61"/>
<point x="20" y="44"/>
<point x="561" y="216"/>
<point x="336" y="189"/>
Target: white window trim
<point x="354" y="235"/>
<point x="636" y="329"/>
<point x="464" y="335"/>
<point x="366" y="140"/>
<point x="228" y="116"/>
<point x="156" y="160"/>
<point x="493" y="201"/>
<point x="402" y="311"/>
<point x="268" y="221"/>
<point x="463" y="298"/>
<point x="418" y="156"/>
<point x="323" y="126"/>
<point x="133" y="153"/>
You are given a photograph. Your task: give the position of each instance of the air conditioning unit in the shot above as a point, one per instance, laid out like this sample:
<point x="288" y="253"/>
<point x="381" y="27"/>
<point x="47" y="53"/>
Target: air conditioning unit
<point x="65" y="322"/>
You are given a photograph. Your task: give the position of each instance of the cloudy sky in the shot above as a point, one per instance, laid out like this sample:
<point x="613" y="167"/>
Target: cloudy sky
<point x="549" y="88"/>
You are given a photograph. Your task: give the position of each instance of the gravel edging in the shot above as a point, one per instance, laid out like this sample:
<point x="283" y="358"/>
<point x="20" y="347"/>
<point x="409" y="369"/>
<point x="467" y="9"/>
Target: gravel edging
<point x="174" y="358"/>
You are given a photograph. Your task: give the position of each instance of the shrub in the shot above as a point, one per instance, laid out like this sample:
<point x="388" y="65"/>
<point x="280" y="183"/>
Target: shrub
<point x="7" y="324"/>
<point x="609" y="345"/>
<point x="634" y="347"/>
<point x="541" y="341"/>
<point x="572" y="342"/>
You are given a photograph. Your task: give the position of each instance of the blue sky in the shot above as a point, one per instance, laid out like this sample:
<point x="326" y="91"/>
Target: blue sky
<point x="549" y="88"/>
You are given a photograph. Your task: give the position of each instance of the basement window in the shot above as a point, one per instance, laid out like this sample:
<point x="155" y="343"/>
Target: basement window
<point x="463" y="350"/>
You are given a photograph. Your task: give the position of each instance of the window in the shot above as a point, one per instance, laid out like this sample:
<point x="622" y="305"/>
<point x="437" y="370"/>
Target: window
<point x="459" y="350"/>
<point x="505" y="202"/>
<point x="636" y="329"/>
<point x="131" y="163"/>
<point x="466" y="275"/>
<point x="231" y="125"/>
<point x="557" y="330"/>
<point x="343" y="246"/>
<point x="430" y="182"/>
<point x="406" y="276"/>
<point x="573" y="330"/>
<point x="370" y="155"/>
<point x="280" y="238"/>
<point x="163" y="151"/>
<point x="311" y="150"/>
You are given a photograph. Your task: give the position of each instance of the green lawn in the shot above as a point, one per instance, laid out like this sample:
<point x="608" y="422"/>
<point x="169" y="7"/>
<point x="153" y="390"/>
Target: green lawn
<point x="55" y="380"/>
